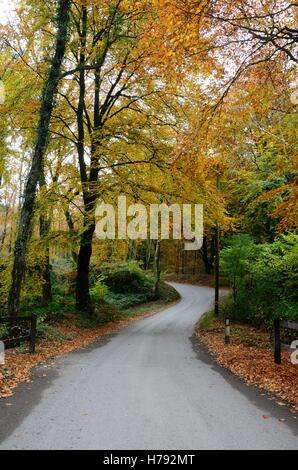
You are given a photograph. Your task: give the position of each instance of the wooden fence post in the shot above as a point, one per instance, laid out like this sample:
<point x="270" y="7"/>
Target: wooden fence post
<point x="33" y="333"/>
<point x="277" y="342"/>
<point x="227" y="332"/>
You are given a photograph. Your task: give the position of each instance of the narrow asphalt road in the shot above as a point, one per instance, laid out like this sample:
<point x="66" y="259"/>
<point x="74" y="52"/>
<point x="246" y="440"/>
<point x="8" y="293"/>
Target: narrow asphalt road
<point x="148" y="387"/>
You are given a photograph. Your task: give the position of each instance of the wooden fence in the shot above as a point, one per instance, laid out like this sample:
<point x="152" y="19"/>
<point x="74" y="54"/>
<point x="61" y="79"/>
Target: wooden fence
<point x="278" y="344"/>
<point x="17" y="331"/>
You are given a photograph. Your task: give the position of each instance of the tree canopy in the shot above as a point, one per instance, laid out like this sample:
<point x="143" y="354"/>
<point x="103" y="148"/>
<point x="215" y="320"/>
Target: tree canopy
<point x="186" y="101"/>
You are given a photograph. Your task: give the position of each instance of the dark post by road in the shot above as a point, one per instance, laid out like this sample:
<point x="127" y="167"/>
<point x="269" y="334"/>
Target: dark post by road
<point x="217" y="235"/>
<point x="277" y="342"/>
<point x="33" y="334"/>
<point x="227" y="332"/>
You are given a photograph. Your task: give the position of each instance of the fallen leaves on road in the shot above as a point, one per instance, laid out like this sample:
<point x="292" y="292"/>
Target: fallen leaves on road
<point x="250" y="357"/>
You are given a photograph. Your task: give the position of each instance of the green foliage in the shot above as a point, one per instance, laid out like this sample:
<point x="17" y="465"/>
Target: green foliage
<point x="167" y="295"/>
<point x="126" y="277"/>
<point x="50" y="333"/>
<point x="102" y="314"/>
<point x="99" y="291"/>
<point x="235" y="260"/>
<point x="125" y="284"/>
<point x="122" y="301"/>
<point x="4" y="332"/>
<point x="264" y="279"/>
<point x="206" y="320"/>
<point x="254" y="213"/>
<point x="5" y="277"/>
<point x="63" y="300"/>
<point x="57" y="308"/>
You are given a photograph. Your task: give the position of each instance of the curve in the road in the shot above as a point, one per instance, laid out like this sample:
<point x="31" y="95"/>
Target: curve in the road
<point x="147" y="388"/>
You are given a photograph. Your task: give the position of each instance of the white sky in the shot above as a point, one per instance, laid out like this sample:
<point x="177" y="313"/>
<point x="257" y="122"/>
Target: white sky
<point x="6" y="9"/>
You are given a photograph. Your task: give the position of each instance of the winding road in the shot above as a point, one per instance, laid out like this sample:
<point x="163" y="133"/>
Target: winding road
<point x="151" y="386"/>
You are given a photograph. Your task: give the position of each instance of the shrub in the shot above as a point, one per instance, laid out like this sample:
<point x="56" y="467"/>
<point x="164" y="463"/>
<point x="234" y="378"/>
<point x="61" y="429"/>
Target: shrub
<point x="264" y="279"/>
<point x="50" y="333"/>
<point x="122" y="301"/>
<point x="5" y="277"/>
<point x="4" y="332"/>
<point x="102" y="314"/>
<point x="99" y="291"/>
<point x="205" y="321"/>
<point x="126" y="277"/>
<point x="123" y="285"/>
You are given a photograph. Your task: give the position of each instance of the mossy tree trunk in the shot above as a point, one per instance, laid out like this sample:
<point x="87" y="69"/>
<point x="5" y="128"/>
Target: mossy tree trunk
<point x="42" y="134"/>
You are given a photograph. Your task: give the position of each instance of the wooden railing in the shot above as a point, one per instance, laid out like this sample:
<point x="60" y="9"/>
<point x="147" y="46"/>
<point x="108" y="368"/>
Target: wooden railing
<point x="14" y="325"/>
<point x="278" y="344"/>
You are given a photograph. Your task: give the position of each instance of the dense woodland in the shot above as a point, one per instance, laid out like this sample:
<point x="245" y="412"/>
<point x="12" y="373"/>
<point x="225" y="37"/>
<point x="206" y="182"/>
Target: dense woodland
<point x="175" y="101"/>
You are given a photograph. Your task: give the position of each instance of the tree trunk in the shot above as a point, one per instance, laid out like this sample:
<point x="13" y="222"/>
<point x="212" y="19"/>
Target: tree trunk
<point x="148" y="253"/>
<point x="208" y="254"/>
<point x="3" y="237"/>
<point x="195" y="262"/>
<point x="72" y="231"/>
<point x="44" y="224"/>
<point x="83" y="299"/>
<point x="46" y="108"/>
<point x="133" y="250"/>
<point x="182" y="254"/>
<point x="44" y="229"/>
<point x="157" y="269"/>
<point x="205" y="256"/>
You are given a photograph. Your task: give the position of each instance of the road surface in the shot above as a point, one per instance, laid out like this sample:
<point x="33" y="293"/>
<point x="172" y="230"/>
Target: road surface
<point x="148" y="387"/>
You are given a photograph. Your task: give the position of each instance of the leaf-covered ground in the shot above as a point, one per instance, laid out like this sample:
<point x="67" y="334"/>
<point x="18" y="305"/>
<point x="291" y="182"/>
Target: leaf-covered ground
<point x="250" y="357"/>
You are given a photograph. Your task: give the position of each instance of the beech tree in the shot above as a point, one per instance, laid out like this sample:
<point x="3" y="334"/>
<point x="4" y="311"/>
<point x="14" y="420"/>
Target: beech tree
<point x="42" y="134"/>
<point x="119" y="102"/>
<point x="147" y="99"/>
